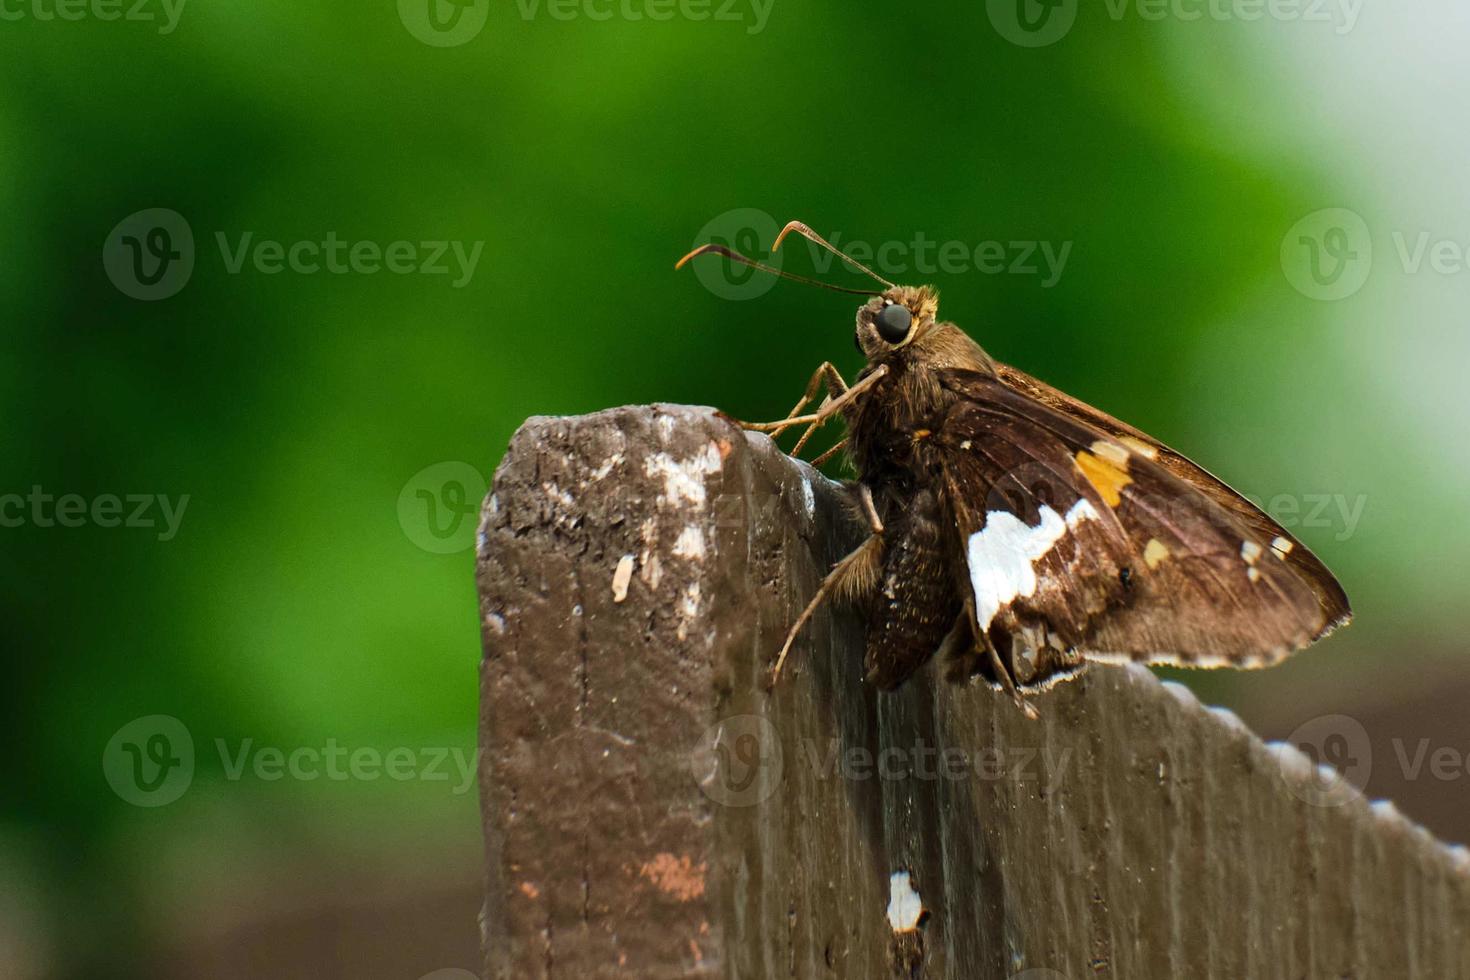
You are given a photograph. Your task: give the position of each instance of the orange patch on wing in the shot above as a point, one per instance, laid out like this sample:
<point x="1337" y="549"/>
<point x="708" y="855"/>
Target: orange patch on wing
<point x="1107" y="476"/>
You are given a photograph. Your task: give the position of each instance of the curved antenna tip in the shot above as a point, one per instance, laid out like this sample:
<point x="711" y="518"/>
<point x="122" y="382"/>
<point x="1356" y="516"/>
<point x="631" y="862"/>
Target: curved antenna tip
<point x="806" y="232"/>
<point x="698" y="251"/>
<point x="790" y="227"/>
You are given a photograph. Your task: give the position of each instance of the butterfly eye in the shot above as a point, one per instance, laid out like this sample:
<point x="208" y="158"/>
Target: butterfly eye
<point x="893" y="323"/>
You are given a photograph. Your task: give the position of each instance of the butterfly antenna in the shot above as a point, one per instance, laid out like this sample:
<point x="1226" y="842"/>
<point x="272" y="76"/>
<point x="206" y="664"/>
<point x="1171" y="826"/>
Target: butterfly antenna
<point x="735" y="256"/>
<point x="810" y="235"/>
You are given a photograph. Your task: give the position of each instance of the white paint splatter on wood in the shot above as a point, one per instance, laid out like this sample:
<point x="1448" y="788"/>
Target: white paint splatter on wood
<point x="622" y="576"/>
<point x="684" y="479"/>
<point x="690" y="544"/>
<point x="905" y="907"/>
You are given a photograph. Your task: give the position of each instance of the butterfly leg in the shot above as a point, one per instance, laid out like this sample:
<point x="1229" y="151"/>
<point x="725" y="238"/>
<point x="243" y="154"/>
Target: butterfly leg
<point x="827" y="374"/>
<point x="836" y="388"/>
<point x="1002" y="672"/>
<point x="850" y="578"/>
<point x="828" y="408"/>
<point x="957" y="650"/>
<point x="836" y="448"/>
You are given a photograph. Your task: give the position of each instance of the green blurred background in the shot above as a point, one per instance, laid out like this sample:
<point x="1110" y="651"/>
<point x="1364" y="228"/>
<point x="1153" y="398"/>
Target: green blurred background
<point x="304" y="601"/>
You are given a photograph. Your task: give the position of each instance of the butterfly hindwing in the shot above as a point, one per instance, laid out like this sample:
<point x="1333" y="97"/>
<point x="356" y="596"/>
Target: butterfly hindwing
<point x="1083" y="539"/>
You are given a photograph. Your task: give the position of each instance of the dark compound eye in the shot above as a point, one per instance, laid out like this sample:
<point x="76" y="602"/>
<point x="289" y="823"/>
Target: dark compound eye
<point x="893" y="323"/>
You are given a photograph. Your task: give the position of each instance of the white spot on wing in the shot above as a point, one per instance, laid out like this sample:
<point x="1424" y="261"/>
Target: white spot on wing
<point x="1139" y="446"/>
<point x="1003" y="555"/>
<point x="1281" y="547"/>
<point x="905" y="907"/>
<point x="808" y="496"/>
<point x="1110" y="451"/>
<point x="1250" y="551"/>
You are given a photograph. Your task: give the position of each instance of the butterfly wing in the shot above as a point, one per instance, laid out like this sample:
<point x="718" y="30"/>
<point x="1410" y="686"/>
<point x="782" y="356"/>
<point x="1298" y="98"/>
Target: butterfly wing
<point x="1262" y="528"/>
<point x="1093" y="541"/>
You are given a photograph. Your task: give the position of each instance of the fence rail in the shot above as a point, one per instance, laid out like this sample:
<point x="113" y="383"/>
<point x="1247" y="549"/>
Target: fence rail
<point x="652" y="811"/>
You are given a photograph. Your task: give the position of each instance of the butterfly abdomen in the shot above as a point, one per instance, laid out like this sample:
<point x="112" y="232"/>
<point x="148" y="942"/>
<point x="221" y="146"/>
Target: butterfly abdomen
<point x="915" y="602"/>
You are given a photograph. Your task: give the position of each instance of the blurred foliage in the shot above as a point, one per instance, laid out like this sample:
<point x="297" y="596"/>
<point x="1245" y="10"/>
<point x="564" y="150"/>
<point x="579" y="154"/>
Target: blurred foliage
<point x="291" y="607"/>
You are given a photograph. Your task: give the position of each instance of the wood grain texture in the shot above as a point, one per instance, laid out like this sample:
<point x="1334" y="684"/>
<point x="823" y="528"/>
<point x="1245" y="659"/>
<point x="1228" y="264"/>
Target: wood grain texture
<point x="651" y="811"/>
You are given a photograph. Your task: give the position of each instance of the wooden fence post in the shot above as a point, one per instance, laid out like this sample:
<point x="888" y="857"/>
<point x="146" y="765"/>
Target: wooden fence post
<point x="651" y="811"/>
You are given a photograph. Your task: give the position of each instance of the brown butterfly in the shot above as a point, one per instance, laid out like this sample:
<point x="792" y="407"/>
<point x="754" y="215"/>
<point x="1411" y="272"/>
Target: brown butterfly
<point x="1024" y="533"/>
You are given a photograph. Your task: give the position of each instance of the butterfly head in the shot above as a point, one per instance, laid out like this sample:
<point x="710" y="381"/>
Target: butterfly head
<point x="895" y="319"/>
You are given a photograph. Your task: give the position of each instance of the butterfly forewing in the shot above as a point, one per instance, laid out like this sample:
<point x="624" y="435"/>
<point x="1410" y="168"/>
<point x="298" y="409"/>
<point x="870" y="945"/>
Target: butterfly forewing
<point x="1091" y="539"/>
<point x="1261" y="527"/>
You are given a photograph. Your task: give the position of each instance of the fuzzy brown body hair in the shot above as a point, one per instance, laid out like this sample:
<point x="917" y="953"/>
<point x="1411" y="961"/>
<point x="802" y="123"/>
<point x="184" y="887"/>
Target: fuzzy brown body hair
<point x="917" y="580"/>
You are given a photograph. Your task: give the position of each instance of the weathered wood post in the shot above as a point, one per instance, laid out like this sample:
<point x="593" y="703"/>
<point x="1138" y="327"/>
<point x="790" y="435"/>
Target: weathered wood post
<point x="651" y="811"/>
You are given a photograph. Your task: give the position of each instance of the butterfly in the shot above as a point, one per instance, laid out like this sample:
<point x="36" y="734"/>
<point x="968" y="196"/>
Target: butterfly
<point x="1020" y="533"/>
